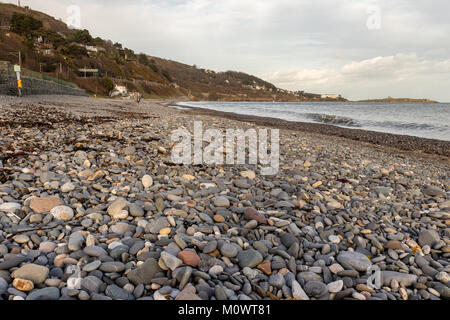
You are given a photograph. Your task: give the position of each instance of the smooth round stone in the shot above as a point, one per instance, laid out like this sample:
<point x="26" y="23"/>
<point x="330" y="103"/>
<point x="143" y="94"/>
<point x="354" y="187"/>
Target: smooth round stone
<point x="221" y="202"/>
<point x="87" y="223"/>
<point x="249" y="258"/>
<point x="53" y="282"/>
<point x="215" y="270"/>
<point x="120" y="215"/>
<point x="49" y="293"/>
<point x="334" y="239"/>
<point x="76" y="240"/>
<point x="95" y="251"/>
<point x="135" y="210"/>
<point x="120" y="228"/>
<point x="428" y="237"/>
<point x="277" y="280"/>
<point x="114" y="266"/>
<point x="288" y="239"/>
<point x="91" y="284"/>
<point x="297" y="291"/>
<point x="21" y="238"/>
<point x="335" y="287"/>
<point x="67" y="187"/>
<point x="32" y="272"/>
<point x="36" y="218"/>
<point x="147" y="181"/>
<point x="229" y="250"/>
<point x="117" y="293"/>
<point x="23" y="285"/>
<point x="189" y="258"/>
<point x="210" y="247"/>
<point x="63" y="213"/>
<point x="92" y="266"/>
<point x="12" y="261"/>
<point x="354" y="260"/>
<point x="116" y="206"/>
<point x="308" y="276"/>
<point x="171" y="261"/>
<point x="251" y="224"/>
<point x="10" y="206"/>
<point x="117" y="252"/>
<point x="316" y="289"/>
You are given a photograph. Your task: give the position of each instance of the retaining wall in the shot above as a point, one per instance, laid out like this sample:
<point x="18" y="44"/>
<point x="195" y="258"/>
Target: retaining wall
<point x="32" y="86"/>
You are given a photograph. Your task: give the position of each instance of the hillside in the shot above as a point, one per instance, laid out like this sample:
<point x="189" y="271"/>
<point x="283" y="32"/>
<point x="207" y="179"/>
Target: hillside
<point x="399" y="100"/>
<point x="49" y="47"/>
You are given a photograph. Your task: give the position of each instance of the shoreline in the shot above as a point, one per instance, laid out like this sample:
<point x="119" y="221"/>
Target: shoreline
<point x="425" y="146"/>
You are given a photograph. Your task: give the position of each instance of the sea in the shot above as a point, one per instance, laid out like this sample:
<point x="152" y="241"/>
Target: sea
<point x="426" y="120"/>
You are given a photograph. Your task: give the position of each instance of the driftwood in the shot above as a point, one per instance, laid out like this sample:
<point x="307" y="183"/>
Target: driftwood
<point x="54" y="225"/>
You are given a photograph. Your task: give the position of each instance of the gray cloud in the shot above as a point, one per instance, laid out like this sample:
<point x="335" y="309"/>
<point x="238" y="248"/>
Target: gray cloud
<point x="305" y="45"/>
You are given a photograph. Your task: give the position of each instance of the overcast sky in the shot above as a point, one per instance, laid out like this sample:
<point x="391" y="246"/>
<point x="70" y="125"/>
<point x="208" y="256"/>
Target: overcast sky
<point x="358" y="48"/>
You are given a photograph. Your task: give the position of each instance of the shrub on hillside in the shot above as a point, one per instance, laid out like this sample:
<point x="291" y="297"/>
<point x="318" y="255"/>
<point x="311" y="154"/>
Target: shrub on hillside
<point x="75" y="51"/>
<point x="166" y="74"/>
<point x="82" y="36"/>
<point x="24" y="25"/>
<point x="108" y="84"/>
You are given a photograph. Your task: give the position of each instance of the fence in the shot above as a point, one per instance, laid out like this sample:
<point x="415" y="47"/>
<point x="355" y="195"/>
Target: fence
<point x="34" y="83"/>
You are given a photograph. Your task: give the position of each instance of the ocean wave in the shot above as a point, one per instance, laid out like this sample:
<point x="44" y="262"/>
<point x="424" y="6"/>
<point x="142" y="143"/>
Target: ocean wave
<point x="333" y="119"/>
<point x="410" y="125"/>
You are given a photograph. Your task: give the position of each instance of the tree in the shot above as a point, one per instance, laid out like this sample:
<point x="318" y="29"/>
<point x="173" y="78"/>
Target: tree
<point x="75" y="51"/>
<point x="82" y="36"/>
<point x="108" y="84"/>
<point x="24" y="24"/>
<point x="166" y="74"/>
<point x="143" y="59"/>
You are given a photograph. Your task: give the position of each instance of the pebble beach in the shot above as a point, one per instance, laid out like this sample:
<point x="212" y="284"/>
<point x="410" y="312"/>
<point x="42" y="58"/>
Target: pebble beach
<point x="93" y="208"/>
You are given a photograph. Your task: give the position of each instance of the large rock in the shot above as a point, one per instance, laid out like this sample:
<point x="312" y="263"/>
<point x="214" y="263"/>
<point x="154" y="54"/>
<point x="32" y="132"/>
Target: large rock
<point x="91" y="284"/>
<point x="50" y="293"/>
<point x="64" y="213"/>
<point x="12" y="261"/>
<point x="406" y="279"/>
<point x="229" y="250"/>
<point x="249" y="258"/>
<point x="32" y="272"/>
<point x="253" y="214"/>
<point x="10" y="207"/>
<point x="95" y="251"/>
<point x="135" y="210"/>
<point x="156" y="225"/>
<point x="171" y="261"/>
<point x="221" y="202"/>
<point x="116" y="206"/>
<point x="433" y="191"/>
<point x="76" y="240"/>
<point x="117" y="293"/>
<point x="44" y="205"/>
<point x="297" y="291"/>
<point x="145" y="273"/>
<point x="354" y="260"/>
<point x="147" y="181"/>
<point x="428" y="237"/>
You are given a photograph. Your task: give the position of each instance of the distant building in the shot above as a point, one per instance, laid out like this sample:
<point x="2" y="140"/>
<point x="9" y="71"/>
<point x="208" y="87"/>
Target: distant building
<point x="91" y="48"/>
<point x="119" y="91"/>
<point x="330" y="96"/>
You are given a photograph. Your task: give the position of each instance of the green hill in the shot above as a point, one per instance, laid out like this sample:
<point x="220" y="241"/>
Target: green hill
<point x="49" y="47"/>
